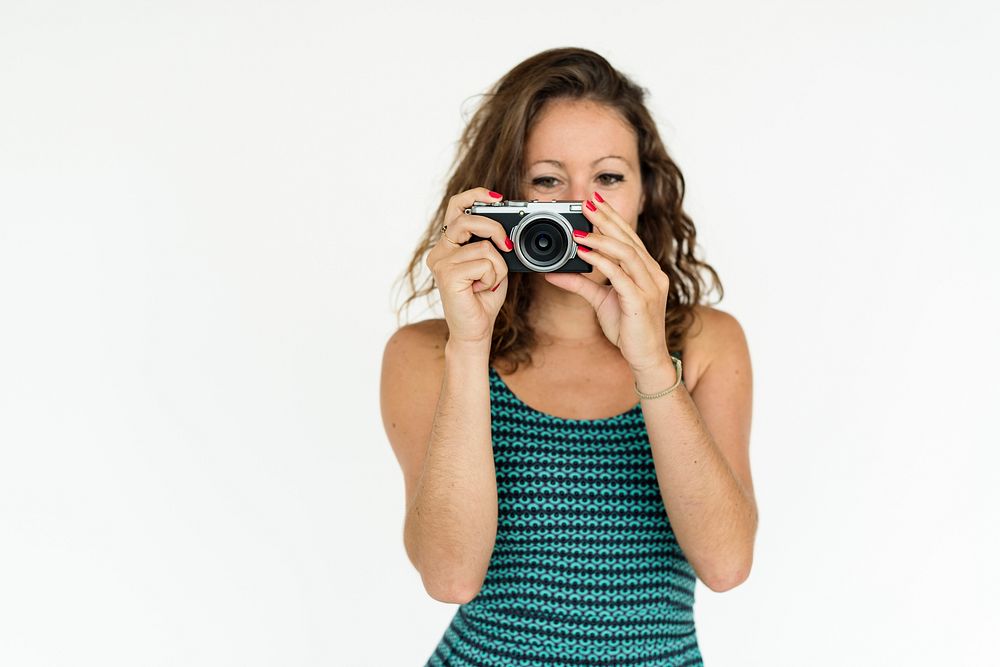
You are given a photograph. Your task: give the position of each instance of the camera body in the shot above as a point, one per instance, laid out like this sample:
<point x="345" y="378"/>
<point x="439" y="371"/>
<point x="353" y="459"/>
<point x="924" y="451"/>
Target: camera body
<point x="542" y="234"/>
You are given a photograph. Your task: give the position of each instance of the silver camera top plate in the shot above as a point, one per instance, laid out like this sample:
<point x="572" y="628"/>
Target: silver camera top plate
<point x="525" y="207"/>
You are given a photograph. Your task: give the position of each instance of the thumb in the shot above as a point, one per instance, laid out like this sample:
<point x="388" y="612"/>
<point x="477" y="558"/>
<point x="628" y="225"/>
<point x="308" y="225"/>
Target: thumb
<point x="572" y="282"/>
<point x="593" y="293"/>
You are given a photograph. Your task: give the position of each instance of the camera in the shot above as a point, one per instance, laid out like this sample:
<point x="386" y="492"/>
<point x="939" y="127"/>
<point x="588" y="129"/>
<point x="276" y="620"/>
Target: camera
<point x="542" y="233"/>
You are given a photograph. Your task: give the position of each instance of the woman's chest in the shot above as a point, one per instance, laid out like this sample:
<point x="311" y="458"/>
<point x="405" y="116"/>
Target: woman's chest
<point x="575" y="388"/>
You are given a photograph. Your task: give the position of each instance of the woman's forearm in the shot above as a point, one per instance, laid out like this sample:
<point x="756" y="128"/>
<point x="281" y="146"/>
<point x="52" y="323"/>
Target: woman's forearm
<point x="451" y="521"/>
<point x="712" y="515"/>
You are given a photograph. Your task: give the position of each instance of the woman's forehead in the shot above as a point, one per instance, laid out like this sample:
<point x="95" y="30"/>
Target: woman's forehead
<point x="570" y="131"/>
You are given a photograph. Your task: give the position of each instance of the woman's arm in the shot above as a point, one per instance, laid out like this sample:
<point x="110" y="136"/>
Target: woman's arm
<point x="700" y="443"/>
<point x="437" y="416"/>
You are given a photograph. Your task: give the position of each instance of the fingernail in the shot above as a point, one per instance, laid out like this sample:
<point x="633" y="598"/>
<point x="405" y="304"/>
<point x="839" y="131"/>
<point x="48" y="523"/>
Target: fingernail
<point x="579" y="233"/>
<point x="583" y="248"/>
<point x="496" y="195"/>
<point x="495" y="287"/>
<point x="508" y="243"/>
<point x="598" y="197"/>
<point x="591" y="206"/>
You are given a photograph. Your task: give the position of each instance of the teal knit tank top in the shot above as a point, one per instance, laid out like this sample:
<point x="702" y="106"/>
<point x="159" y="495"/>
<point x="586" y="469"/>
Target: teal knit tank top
<point x="586" y="569"/>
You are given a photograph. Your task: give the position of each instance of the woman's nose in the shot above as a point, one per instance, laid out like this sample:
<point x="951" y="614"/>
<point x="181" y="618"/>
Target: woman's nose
<point x="578" y="193"/>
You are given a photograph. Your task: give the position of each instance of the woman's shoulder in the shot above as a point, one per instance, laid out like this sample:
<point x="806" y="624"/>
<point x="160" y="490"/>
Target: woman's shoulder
<point x="412" y="371"/>
<point x="432" y="329"/>
<point x="424" y="339"/>
<point x="714" y="333"/>
<point x="714" y="320"/>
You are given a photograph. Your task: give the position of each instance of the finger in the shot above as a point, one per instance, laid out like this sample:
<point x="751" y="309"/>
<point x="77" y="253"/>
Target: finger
<point x="607" y="209"/>
<point x="466" y="225"/>
<point x="613" y="215"/>
<point x="463" y="200"/>
<point x="475" y="252"/>
<point x="459" y="233"/>
<point x="482" y="287"/>
<point x="626" y="254"/>
<point x="486" y="281"/>
<point x="621" y="281"/>
<point x="601" y="219"/>
<point x="462" y="276"/>
<point x="593" y="293"/>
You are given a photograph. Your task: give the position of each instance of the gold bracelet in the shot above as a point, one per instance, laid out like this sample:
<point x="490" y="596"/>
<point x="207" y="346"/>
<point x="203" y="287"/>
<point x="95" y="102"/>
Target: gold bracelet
<point x="677" y="367"/>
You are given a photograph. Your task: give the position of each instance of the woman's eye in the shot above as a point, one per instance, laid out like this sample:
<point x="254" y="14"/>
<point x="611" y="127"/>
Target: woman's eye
<point x="549" y="181"/>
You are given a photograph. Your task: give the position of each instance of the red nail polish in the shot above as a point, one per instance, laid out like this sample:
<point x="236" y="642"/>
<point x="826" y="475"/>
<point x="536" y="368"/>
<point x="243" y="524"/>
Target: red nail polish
<point x="598" y="197"/>
<point x="508" y="243"/>
<point x="494" y="289"/>
<point x="496" y="195"/>
<point x="580" y="234"/>
<point x="582" y="248"/>
<point x="591" y="206"/>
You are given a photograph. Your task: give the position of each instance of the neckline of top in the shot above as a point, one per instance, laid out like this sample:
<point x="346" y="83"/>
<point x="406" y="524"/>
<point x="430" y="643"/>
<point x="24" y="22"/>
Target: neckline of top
<point x="637" y="408"/>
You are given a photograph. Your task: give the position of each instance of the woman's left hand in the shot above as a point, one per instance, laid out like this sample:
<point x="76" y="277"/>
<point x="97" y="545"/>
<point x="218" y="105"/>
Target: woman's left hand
<point x="631" y="310"/>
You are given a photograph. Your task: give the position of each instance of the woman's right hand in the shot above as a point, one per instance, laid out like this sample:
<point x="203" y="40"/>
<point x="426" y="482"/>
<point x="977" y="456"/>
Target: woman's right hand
<point x="472" y="277"/>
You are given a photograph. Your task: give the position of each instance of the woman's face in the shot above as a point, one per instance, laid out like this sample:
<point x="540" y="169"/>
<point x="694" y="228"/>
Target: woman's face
<point x="576" y="147"/>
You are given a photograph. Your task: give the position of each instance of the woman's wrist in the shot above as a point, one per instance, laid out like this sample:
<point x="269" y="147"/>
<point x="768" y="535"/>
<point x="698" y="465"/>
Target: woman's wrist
<point x="656" y="377"/>
<point x="467" y="350"/>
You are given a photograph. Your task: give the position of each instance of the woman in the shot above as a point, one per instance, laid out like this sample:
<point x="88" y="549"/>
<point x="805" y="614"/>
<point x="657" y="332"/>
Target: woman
<point x="568" y="520"/>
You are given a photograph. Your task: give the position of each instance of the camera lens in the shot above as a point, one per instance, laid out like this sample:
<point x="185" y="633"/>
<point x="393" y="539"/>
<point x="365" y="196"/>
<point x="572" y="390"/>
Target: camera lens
<point x="544" y="242"/>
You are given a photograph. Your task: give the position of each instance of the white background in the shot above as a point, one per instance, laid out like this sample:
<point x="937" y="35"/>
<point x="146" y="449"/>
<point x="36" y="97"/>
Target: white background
<point x="203" y="208"/>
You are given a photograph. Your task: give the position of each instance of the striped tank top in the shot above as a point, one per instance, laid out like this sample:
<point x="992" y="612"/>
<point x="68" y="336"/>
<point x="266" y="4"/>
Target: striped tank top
<point x="586" y="569"/>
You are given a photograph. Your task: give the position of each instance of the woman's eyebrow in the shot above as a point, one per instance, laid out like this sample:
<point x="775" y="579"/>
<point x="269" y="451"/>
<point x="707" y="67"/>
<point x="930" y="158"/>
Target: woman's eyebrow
<point x="560" y="164"/>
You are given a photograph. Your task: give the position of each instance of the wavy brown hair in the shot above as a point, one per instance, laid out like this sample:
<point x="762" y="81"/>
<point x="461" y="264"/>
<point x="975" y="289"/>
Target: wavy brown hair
<point x="491" y="154"/>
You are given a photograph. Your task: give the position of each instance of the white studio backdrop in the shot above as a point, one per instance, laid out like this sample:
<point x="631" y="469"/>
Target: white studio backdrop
<point x="203" y="210"/>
